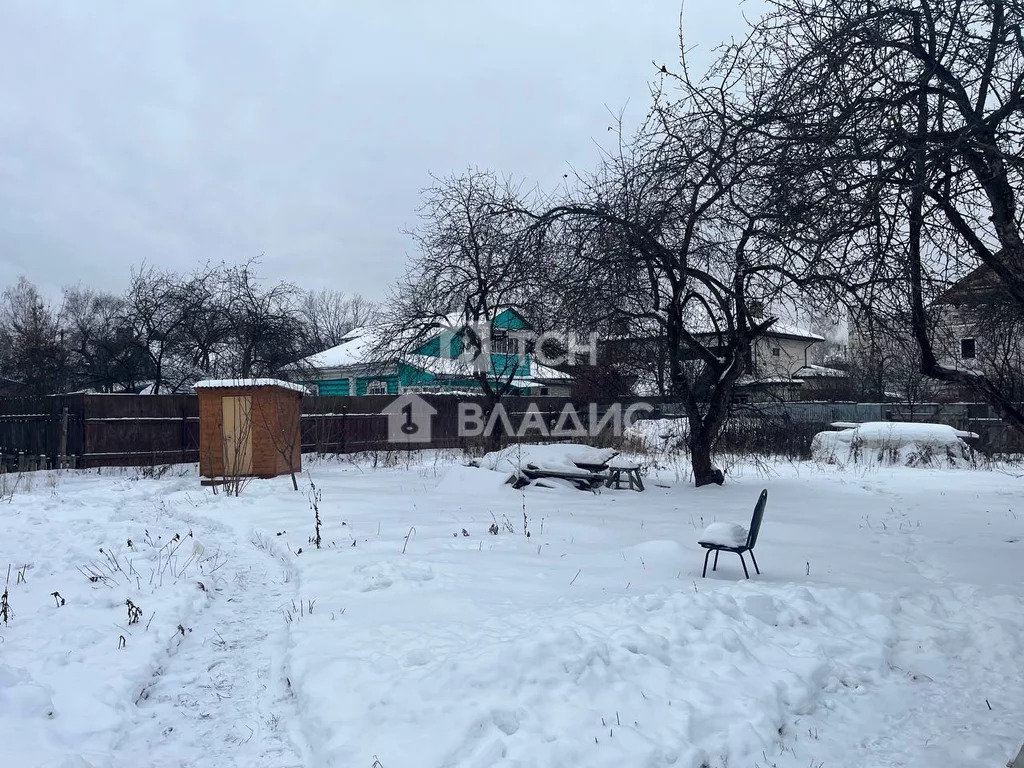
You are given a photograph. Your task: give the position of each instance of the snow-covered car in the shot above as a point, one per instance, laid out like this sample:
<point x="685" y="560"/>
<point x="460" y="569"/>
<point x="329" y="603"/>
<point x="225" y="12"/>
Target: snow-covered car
<point x="886" y="442"/>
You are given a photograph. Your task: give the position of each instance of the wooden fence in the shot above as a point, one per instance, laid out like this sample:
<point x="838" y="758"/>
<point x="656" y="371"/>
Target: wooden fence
<point x="100" y="430"/>
<point x="146" y="430"/>
<point x="353" y="424"/>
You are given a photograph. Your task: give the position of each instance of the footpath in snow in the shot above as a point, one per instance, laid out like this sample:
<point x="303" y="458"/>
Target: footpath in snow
<point x="197" y="678"/>
<point x="886" y="628"/>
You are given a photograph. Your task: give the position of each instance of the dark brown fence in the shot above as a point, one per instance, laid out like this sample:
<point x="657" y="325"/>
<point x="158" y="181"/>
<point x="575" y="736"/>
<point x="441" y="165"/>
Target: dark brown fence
<point x="101" y="430"/>
<point x="40" y="426"/>
<point x="145" y="430"/>
<point x="353" y="424"/>
<point x="140" y="430"/>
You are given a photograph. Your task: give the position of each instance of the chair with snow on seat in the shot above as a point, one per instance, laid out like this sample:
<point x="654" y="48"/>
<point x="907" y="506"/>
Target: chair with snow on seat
<point x="733" y="537"/>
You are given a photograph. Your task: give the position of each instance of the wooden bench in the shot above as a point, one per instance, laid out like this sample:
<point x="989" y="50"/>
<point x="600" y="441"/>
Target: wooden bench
<point x="624" y="473"/>
<point x="583" y="479"/>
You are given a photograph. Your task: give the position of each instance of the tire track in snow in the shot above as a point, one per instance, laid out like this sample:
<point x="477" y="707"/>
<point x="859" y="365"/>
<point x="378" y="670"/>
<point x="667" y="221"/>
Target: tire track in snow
<point x="221" y="698"/>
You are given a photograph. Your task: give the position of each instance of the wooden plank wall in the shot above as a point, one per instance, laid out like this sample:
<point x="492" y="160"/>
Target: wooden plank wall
<point x="140" y="430"/>
<point x="145" y="430"/>
<point x="34" y="425"/>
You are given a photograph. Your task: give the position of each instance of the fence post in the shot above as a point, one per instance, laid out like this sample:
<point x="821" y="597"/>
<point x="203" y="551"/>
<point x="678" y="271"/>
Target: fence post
<point x="63" y="449"/>
<point x="184" y="431"/>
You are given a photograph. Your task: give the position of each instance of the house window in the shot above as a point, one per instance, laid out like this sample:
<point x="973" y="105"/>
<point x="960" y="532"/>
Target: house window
<point x="377" y="387"/>
<point x="504" y="343"/>
<point x="776" y="352"/>
<point x="967" y="349"/>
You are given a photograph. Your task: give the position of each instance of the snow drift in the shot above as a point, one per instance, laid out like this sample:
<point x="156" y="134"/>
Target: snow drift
<point x="895" y="443"/>
<point x="659" y="436"/>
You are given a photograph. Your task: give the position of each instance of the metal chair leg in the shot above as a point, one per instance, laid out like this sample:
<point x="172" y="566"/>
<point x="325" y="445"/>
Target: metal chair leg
<point x="715" y="566"/>
<point x="705" y="573"/>
<point x="755" y="562"/>
<point x="744" y="563"/>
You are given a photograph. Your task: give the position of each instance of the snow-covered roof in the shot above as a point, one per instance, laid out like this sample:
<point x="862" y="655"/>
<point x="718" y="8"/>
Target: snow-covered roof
<point x="793" y="331"/>
<point x="354" y="350"/>
<point x="546" y="373"/>
<point x="359" y="346"/>
<point x="647" y="328"/>
<point x="819" y="371"/>
<point x="360" y="343"/>
<point x="463" y="367"/>
<point x="232" y="383"/>
<point x="747" y="380"/>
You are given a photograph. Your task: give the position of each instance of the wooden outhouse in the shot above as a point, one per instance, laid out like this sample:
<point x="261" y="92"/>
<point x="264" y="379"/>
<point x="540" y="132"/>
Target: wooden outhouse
<point x="249" y="427"/>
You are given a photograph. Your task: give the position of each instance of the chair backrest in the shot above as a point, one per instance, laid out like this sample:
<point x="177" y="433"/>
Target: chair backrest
<point x="755" y="521"/>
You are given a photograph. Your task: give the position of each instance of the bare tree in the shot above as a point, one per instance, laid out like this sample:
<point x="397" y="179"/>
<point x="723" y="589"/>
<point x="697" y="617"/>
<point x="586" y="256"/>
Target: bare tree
<point x="205" y="329"/>
<point x="236" y="445"/>
<point x="32" y="353"/>
<point x="701" y="218"/>
<point x="101" y="348"/>
<point x="476" y="258"/>
<point x="911" y="114"/>
<point x="1000" y="351"/>
<point x="157" y="307"/>
<point x="330" y="315"/>
<point x="264" y="327"/>
<point x="884" y="363"/>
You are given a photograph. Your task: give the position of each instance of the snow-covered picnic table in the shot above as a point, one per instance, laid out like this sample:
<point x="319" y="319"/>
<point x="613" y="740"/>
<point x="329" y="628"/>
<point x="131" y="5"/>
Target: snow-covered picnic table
<point x="583" y="479"/>
<point x="582" y="465"/>
<point x="620" y="472"/>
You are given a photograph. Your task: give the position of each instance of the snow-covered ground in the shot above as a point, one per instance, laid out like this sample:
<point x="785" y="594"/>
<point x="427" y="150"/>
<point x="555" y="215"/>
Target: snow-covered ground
<point x="886" y="629"/>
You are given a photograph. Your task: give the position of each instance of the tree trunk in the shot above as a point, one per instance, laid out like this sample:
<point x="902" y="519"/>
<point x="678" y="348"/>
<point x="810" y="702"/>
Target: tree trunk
<point x="495" y="438"/>
<point x="704" y="430"/>
<point x="706" y="427"/>
<point x="704" y="470"/>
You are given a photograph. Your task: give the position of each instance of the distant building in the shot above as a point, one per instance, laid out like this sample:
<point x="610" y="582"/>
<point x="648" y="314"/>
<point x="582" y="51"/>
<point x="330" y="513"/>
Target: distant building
<point x="980" y="328"/>
<point x="975" y="326"/>
<point x="777" y="357"/>
<point x="436" y="365"/>
<point x="821" y="382"/>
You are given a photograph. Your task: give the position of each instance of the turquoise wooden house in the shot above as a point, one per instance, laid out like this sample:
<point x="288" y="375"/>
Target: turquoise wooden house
<point x="436" y="365"/>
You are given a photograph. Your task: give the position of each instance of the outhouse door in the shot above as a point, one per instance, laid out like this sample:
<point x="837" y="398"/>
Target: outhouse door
<point x="237" y="435"/>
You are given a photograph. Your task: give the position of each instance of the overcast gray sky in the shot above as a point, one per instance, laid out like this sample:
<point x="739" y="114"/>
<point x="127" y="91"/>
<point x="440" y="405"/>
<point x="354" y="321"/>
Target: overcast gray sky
<point x="180" y="132"/>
